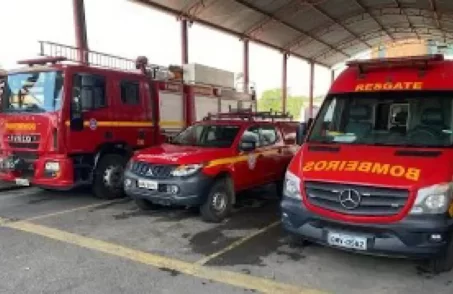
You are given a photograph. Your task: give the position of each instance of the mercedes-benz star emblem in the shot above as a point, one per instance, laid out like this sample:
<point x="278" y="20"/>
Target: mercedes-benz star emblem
<point x="350" y="199"/>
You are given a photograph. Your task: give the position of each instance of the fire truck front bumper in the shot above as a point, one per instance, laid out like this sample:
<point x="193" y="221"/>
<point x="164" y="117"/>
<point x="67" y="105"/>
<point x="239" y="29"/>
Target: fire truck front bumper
<point x="53" y="172"/>
<point x="417" y="237"/>
<point x="175" y="191"/>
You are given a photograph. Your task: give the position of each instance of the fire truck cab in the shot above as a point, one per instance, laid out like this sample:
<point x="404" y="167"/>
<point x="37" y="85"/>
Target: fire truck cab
<point x="207" y="163"/>
<point x="64" y="124"/>
<point x="375" y="172"/>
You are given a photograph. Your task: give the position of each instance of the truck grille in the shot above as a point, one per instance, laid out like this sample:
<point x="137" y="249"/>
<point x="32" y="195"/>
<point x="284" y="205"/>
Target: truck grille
<point x="342" y="198"/>
<point x="149" y="170"/>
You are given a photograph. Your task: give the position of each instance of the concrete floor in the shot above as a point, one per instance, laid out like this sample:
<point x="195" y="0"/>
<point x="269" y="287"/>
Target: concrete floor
<point x="73" y="243"/>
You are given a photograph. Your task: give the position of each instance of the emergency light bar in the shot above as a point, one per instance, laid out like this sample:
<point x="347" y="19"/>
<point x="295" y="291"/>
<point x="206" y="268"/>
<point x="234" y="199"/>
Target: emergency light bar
<point x="421" y="62"/>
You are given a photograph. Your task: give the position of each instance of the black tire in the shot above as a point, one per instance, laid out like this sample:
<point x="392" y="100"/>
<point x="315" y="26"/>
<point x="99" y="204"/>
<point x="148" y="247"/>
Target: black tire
<point x="108" y="177"/>
<point x="146" y="205"/>
<point x="297" y="241"/>
<point x="441" y="263"/>
<point x="219" y="202"/>
<point x="279" y="188"/>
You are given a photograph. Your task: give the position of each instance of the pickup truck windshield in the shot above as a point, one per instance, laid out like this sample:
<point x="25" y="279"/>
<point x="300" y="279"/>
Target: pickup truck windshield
<point x="217" y="136"/>
<point x="411" y="119"/>
<point x="32" y="92"/>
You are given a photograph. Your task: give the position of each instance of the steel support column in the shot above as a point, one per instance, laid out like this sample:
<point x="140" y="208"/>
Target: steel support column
<point x="245" y="66"/>
<point x="311" y="89"/>
<point x="80" y="30"/>
<point x="284" y="81"/>
<point x="184" y="42"/>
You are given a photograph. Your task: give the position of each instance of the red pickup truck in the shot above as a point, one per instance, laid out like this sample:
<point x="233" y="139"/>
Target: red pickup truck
<point x="207" y="163"/>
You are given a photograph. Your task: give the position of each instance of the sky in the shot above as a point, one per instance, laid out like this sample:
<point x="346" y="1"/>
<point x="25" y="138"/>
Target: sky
<point x="127" y="29"/>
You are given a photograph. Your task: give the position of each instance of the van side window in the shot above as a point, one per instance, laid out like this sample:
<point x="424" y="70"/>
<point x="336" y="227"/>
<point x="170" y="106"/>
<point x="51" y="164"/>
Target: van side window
<point x="269" y="135"/>
<point x="130" y="93"/>
<point x="91" y="89"/>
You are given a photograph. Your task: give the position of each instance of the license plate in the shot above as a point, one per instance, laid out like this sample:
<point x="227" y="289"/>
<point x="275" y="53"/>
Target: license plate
<point x="347" y="241"/>
<point x="22" y="182"/>
<point x="150" y="185"/>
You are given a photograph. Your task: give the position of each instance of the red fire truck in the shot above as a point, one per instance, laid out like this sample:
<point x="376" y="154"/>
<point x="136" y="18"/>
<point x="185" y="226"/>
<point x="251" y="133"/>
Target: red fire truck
<point x="375" y="173"/>
<point x="65" y="124"/>
<point x="206" y="164"/>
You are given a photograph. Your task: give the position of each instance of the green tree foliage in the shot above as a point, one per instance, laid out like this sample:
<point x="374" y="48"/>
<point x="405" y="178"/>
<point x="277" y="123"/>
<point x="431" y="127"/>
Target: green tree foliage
<point x="272" y="99"/>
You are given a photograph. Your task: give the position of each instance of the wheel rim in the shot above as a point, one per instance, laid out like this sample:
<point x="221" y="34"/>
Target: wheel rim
<point x="113" y="177"/>
<point x="219" y="201"/>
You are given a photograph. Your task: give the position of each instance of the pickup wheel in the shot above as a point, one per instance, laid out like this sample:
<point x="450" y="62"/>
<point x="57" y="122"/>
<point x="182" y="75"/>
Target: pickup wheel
<point x="279" y="188"/>
<point x="443" y="262"/>
<point x="108" y="177"/>
<point x="146" y="205"/>
<point x="219" y="202"/>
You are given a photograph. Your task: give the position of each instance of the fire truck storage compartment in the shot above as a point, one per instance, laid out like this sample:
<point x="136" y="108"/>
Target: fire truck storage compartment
<point x="171" y="110"/>
<point x="205" y="105"/>
<point x="228" y="103"/>
<point x="204" y="75"/>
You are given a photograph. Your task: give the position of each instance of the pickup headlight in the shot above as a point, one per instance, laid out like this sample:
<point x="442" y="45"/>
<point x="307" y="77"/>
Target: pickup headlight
<point x="52" y="166"/>
<point x="186" y="170"/>
<point x="292" y="186"/>
<point x="434" y="199"/>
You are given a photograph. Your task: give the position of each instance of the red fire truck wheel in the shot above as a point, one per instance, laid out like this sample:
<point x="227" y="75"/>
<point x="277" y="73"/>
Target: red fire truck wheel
<point x="108" y="177"/>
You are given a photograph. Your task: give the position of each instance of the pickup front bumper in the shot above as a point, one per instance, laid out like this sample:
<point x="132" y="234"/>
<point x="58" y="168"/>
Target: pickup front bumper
<point x="178" y="191"/>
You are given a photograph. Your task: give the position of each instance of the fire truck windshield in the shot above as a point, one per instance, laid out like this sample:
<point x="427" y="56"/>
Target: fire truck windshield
<point x="33" y="92"/>
<point x="203" y="135"/>
<point x="394" y="118"/>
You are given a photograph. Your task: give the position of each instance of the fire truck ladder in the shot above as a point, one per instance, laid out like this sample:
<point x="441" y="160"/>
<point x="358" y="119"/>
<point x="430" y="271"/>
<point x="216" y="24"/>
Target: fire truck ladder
<point x="99" y="59"/>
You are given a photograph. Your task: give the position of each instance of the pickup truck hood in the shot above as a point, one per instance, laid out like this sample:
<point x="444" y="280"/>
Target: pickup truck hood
<point x="409" y="168"/>
<point x="177" y="154"/>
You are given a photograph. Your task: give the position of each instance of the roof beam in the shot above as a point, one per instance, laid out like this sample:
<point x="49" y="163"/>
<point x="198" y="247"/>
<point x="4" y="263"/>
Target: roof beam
<point x="433" y="5"/>
<point x="197" y="8"/>
<point x="304" y="33"/>
<point x="333" y="20"/>
<point x="380" y="24"/>
<point x="259" y="26"/>
<point x="171" y="11"/>
<point x="411" y="25"/>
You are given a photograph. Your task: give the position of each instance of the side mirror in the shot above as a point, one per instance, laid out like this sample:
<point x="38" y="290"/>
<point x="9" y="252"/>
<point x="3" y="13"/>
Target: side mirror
<point x="247" y="145"/>
<point x="302" y="131"/>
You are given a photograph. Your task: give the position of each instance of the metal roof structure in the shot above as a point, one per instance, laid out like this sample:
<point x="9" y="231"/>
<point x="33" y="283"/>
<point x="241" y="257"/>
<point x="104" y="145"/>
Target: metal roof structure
<point x="325" y="32"/>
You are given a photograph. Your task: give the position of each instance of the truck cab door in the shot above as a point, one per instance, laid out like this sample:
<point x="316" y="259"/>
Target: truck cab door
<point x="248" y="171"/>
<point x="88" y="112"/>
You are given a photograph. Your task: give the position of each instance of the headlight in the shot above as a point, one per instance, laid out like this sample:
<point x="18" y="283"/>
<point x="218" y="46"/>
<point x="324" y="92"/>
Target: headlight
<point x="292" y="186"/>
<point x="434" y="199"/>
<point x="186" y="170"/>
<point x="52" y="166"/>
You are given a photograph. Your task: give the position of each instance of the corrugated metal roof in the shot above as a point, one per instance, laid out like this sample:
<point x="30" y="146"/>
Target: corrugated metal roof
<point x="323" y="31"/>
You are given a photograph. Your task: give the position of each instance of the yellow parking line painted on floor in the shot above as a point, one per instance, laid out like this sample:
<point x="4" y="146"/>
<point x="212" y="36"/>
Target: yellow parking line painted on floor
<point x="3" y="221"/>
<point x="236" y="244"/>
<point x="72" y="210"/>
<point x="227" y="277"/>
